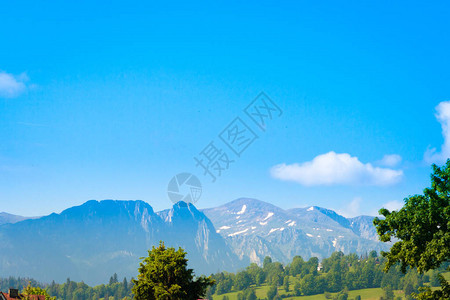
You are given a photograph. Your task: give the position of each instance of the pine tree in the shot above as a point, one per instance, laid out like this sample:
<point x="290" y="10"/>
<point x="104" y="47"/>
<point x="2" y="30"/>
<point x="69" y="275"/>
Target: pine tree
<point x="125" y="285"/>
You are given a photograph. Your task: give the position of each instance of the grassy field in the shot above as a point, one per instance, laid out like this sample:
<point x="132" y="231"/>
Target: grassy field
<point x="369" y="294"/>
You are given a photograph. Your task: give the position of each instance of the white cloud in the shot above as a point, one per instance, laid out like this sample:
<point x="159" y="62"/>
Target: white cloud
<point x="393" y="205"/>
<point x="390" y="160"/>
<point x="443" y="116"/>
<point x="352" y="209"/>
<point x="12" y="86"/>
<point x="336" y="169"/>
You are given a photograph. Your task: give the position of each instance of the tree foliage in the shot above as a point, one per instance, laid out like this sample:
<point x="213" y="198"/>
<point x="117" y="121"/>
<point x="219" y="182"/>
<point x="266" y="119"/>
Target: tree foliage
<point x="163" y="275"/>
<point x="272" y="292"/>
<point x="420" y="228"/>
<point x="79" y="290"/>
<point x="339" y="271"/>
<point x="357" y="272"/>
<point x="30" y="290"/>
<point x="18" y="282"/>
<point x="442" y="294"/>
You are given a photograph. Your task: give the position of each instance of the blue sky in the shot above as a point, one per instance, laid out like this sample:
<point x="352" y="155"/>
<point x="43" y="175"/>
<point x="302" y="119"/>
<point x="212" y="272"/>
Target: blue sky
<point x="109" y="101"/>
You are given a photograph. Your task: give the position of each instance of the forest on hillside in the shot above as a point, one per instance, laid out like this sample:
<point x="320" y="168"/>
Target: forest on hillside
<point x="337" y="273"/>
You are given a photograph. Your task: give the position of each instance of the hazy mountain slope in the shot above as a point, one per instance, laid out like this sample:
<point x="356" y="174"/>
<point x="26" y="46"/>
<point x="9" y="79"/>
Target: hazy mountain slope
<point x="92" y="241"/>
<point x="193" y="231"/>
<point x="6" y="218"/>
<point x="86" y="242"/>
<point x="363" y="226"/>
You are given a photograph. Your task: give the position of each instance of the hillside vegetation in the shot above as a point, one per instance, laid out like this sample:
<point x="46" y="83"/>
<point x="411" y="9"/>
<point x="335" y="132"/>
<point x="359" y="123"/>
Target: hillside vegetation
<point x="337" y="277"/>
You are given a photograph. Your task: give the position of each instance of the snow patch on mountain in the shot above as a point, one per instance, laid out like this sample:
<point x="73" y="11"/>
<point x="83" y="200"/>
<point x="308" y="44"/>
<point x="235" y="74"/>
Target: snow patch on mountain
<point x="238" y="232"/>
<point x="275" y="229"/>
<point x="270" y="214"/>
<point x="243" y="209"/>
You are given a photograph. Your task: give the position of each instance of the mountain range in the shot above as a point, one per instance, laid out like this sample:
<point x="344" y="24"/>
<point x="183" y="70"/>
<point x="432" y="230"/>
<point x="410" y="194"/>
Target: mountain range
<point x="94" y="240"/>
<point x="9" y="218"/>
<point x="255" y="229"/>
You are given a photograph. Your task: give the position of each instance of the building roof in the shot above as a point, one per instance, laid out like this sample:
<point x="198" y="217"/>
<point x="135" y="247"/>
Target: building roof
<point x="5" y="296"/>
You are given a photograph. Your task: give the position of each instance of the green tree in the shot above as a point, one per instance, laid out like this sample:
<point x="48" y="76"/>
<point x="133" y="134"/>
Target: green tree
<point x="272" y="292"/>
<point x="256" y="273"/>
<point x="388" y="293"/>
<point x="434" y="279"/>
<point x="164" y="275"/>
<point x="286" y="283"/>
<point x="274" y="273"/>
<point x="267" y="261"/>
<point x="209" y="292"/>
<point x="342" y="297"/>
<point x="309" y="285"/>
<point x="297" y="288"/>
<point x="249" y="294"/>
<point x="408" y="289"/>
<point x="442" y="294"/>
<point x="260" y="277"/>
<point x="113" y="279"/>
<point x="30" y="290"/>
<point x="420" y="227"/>
<point x="224" y="283"/>
<point x="125" y="285"/>
<point x="296" y="266"/>
<point x="242" y="280"/>
<point x="311" y="266"/>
